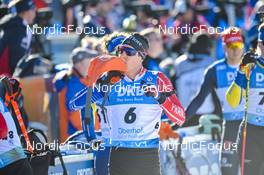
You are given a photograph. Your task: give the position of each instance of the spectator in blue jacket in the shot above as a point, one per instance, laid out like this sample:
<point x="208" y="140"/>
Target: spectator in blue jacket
<point x="16" y="39"/>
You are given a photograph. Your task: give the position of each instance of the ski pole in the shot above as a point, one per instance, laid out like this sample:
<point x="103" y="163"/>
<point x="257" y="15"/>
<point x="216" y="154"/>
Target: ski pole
<point x="244" y="137"/>
<point x="86" y="119"/>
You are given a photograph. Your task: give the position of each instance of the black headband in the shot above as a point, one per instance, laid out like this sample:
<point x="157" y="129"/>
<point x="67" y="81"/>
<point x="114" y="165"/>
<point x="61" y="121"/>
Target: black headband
<point x="138" y="42"/>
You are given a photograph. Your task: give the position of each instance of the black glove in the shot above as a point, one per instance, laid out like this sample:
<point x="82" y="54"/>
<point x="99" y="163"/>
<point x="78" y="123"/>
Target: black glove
<point x="10" y="86"/>
<point x="113" y="77"/>
<point x="16" y="88"/>
<point x="249" y="57"/>
<point x="110" y="78"/>
<point x="151" y="90"/>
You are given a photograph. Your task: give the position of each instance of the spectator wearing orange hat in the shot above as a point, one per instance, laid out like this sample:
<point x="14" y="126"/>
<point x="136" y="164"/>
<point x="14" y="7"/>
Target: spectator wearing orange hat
<point x="218" y="77"/>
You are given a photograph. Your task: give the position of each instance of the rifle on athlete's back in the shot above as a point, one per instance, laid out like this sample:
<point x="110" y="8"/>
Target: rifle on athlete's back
<point x="40" y="159"/>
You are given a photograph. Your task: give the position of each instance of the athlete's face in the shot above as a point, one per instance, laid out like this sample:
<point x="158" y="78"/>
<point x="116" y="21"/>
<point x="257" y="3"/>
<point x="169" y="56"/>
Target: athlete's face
<point x="132" y="58"/>
<point x="234" y="53"/>
<point x="83" y="66"/>
<point x="29" y="16"/>
<point x="188" y="15"/>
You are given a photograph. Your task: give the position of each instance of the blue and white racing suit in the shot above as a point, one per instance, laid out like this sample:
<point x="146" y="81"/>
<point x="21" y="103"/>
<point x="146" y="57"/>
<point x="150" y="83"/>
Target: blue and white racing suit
<point x="134" y="118"/>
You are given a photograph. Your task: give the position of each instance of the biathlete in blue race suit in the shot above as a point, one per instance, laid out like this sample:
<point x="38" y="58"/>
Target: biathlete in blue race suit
<point x="218" y="77"/>
<point x="251" y="69"/>
<point x="134" y="108"/>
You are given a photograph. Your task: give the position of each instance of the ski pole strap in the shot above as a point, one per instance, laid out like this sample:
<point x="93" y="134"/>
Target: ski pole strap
<point x="86" y="120"/>
<point x="62" y="163"/>
<point x="180" y="162"/>
<point x="22" y="125"/>
<point x="8" y="91"/>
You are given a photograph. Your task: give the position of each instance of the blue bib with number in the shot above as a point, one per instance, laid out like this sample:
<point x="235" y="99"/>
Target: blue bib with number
<point x="225" y="75"/>
<point x="134" y="118"/>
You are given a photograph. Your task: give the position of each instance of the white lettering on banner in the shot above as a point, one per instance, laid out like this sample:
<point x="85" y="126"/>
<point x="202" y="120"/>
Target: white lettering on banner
<point x="141" y="143"/>
<point x="205" y="169"/>
<point x="259" y="110"/>
<point x="56" y="173"/>
<point x="215" y="168"/>
<point x="130" y="91"/>
<point x="121" y="92"/>
<point x="230" y="76"/>
<point x="86" y="171"/>
<point x="177" y="110"/>
<point x="259" y="77"/>
<point x="130" y="131"/>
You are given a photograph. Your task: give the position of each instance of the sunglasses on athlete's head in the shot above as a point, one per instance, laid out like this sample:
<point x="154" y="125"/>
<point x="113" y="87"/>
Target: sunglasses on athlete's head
<point x="128" y="50"/>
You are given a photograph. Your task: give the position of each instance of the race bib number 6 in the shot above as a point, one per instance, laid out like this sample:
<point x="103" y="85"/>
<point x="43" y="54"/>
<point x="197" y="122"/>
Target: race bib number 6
<point x="130" y="116"/>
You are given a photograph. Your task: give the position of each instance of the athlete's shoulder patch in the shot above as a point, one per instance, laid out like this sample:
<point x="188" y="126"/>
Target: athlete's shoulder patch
<point x="153" y="72"/>
<point x="180" y="60"/>
<point x="220" y="62"/>
<point x="60" y="75"/>
<point x="219" y="65"/>
<point x="151" y="76"/>
<point x="59" y="80"/>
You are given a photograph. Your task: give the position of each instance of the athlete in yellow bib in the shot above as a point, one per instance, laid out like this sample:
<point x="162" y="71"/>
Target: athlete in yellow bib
<point x="250" y="76"/>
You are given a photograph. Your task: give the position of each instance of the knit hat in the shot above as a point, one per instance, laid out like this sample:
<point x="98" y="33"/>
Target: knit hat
<point x="22" y="5"/>
<point x="79" y="54"/>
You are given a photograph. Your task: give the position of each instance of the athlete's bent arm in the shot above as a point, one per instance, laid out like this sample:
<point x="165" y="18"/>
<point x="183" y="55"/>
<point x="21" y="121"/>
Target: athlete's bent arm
<point x="207" y="87"/>
<point x="170" y="104"/>
<point x="78" y="100"/>
<point x="236" y="89"/>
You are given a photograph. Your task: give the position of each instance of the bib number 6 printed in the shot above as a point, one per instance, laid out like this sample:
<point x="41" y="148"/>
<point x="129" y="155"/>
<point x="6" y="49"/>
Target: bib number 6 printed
<point x="130" y="116"/>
